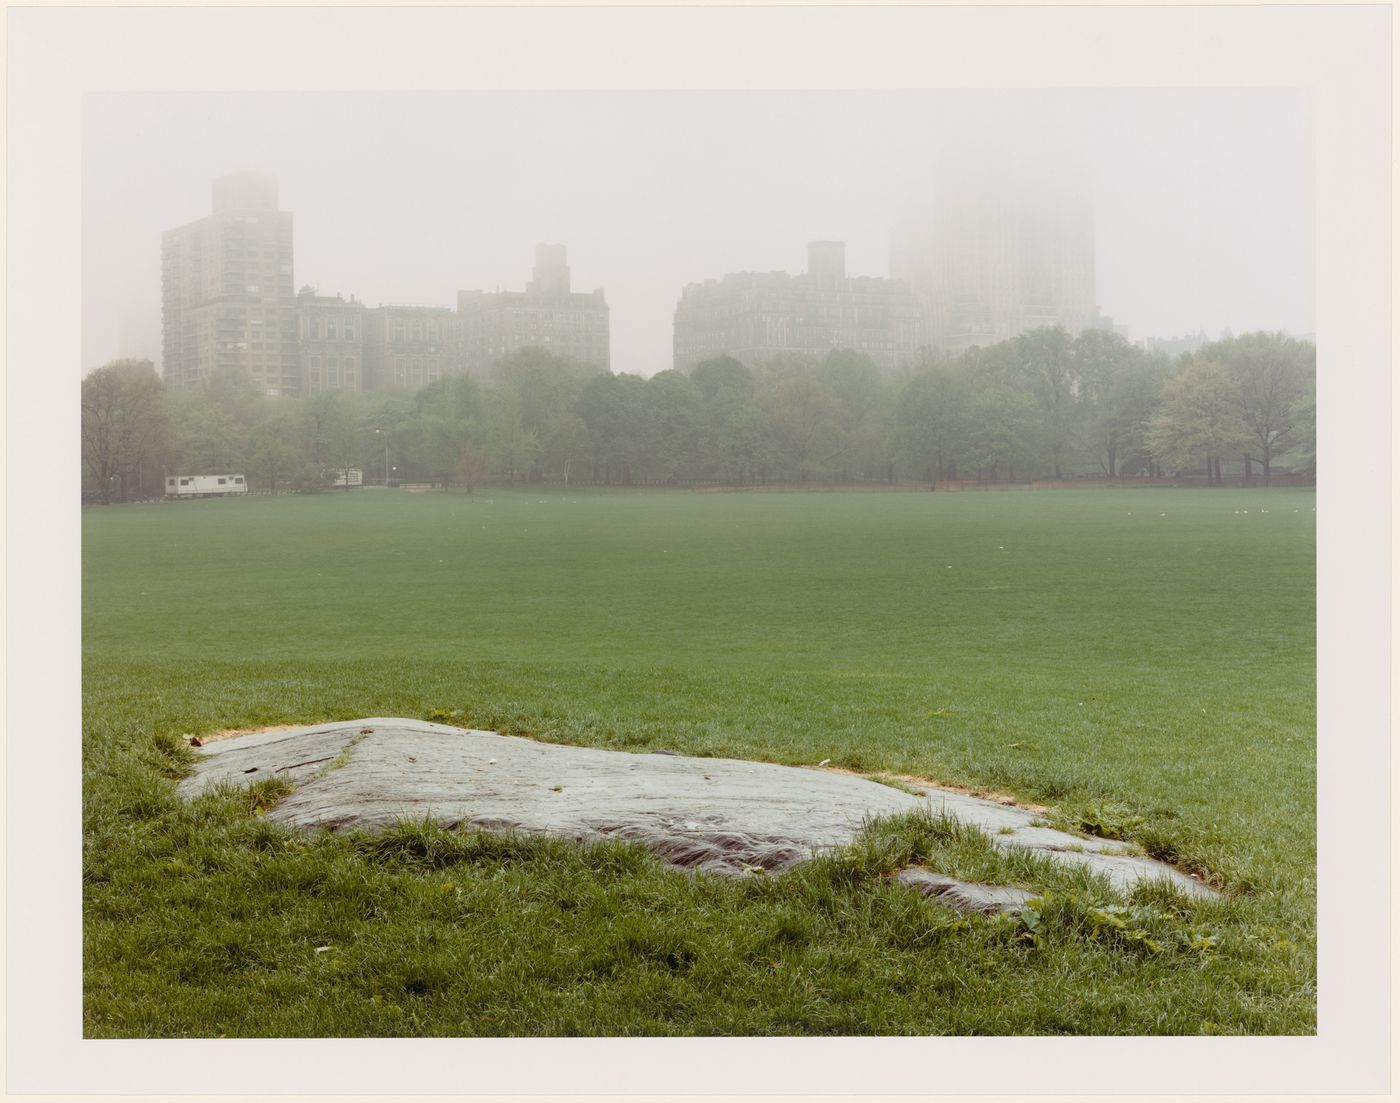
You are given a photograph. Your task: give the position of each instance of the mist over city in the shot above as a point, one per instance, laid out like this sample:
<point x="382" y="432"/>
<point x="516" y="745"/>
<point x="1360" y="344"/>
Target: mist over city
<point x="723" y="289"/>
<point x="1200" y="202"/>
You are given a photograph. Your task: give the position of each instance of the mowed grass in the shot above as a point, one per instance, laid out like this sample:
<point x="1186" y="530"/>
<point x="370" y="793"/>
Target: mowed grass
<point x="1140" y="661"/>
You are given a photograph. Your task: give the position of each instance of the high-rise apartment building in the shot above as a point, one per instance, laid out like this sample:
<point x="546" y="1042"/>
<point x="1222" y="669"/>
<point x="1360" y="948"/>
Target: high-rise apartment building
<point x="754" y="315"/>
<point x="332" y="342"/>
<point x="411" y="346"/>
<point x="547" y="315"/>
<point x="227" y="305"/>
<point x="226" y="290"/>
<point x="996" y="247"/>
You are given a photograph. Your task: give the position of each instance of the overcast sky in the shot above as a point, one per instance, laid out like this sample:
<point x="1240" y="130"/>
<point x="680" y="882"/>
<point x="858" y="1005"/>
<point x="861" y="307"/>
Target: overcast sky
<point x="1203" y="198"/>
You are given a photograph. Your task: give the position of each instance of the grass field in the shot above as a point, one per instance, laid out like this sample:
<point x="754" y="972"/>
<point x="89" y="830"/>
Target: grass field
<point x="1141" y="661"/>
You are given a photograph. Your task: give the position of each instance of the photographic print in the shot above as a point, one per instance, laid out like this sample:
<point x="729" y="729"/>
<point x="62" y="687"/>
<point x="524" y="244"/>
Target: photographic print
<point x="803" y="560"/>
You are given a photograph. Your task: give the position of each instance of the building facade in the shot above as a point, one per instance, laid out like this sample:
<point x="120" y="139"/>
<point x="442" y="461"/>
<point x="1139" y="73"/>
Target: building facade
<point x="1176" y="346"/>
<point x="547" y="315"/>
<point x="332" y="331"/>
<point x="754" y="315"/>
<point x="997" y="247"/>
<point x="226" y="291"/>
<point x="411" y="346"/>
<point x="227" y="305"/>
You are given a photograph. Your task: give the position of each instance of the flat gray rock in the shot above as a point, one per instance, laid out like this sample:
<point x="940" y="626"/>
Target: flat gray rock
<point x="965" y="896"/>
<point x="712" y="814"/>
<point x="1012" y="828"/>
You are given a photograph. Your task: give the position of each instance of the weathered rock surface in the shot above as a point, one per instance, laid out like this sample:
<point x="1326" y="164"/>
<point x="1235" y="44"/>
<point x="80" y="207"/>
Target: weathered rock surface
<point x="1012" y="828"/>
<point x="715" y="815"/>
<point x="965" y="896"/>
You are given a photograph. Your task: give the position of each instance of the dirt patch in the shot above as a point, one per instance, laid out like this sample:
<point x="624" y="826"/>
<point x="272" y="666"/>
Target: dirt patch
<point x="932" y="783"/>
<point x="234" y="733"/>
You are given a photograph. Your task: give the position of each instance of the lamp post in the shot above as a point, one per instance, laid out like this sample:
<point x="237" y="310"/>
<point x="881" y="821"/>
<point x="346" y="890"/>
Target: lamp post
<point x="386" y="457"/>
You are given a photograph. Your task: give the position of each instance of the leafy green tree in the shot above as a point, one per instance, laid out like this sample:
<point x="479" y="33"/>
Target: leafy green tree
<point x="1117" y="387"/>
<point x="612" y="410"/>
<point x="740" y="444"/>
<point x="733" y="436"/>
<point x="1273" y="377"/>
<point x="1046" y="359"/>
<point x="805" y="416"/>
<point x="933" y="418"/>
<point x="125" y="426"/>
<point x="209" y="438"/>
<point x="233" y="391"/>
<point x="511" y="449"/>
<point x="330" y="430"/>
<point x="215" y="422"/>
<point x="1121" y="413"/>
<point x="860" y="411"/>
<point x="1305" y="432"/>
<point x="548" y="388"/>
<point x="386" y="432"/>
<point x="272" y="454"/>
<point x="1003" y="427"/>
<point x="436" y="440"/>
<point x="722" y="380"/>
<point x="472" y="468"/>
<point x="672" y="415"/>
<point x="1199" y="418"/>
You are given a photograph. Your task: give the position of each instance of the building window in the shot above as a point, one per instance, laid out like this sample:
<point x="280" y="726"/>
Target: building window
<point x="330" y="329"/>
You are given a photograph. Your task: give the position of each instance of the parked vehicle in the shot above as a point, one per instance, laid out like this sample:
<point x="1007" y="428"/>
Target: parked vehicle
<point x="204" y="486"/>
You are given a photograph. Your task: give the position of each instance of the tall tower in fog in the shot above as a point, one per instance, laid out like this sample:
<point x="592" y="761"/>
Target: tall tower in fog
<point x="226" y="290"/>
<point x="547" y="315"/>
<point x="996" y="246"/>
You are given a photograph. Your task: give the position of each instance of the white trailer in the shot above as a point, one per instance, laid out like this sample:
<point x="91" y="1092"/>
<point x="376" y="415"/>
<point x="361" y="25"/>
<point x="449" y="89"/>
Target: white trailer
<point x="204" y="486"/>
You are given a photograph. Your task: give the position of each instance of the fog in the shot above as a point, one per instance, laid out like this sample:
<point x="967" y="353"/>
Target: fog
<point x="1202" y="200"/>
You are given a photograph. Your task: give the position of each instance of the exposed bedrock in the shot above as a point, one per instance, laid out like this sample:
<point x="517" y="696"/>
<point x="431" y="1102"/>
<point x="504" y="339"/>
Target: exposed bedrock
<point x="709" y="814"/>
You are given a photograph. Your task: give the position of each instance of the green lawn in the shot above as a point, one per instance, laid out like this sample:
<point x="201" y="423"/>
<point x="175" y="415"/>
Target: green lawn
<point x="1143" y="660"/>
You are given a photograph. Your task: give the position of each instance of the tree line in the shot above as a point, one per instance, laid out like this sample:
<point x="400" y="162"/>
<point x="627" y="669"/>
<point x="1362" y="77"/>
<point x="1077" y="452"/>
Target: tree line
<point x="1044" y="404"/>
